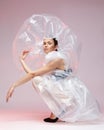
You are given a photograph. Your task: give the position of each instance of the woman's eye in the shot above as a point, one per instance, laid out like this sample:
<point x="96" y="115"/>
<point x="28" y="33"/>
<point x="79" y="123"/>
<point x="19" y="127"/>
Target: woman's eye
<point x="49" y="43"/>
<point x="44" y="43"/>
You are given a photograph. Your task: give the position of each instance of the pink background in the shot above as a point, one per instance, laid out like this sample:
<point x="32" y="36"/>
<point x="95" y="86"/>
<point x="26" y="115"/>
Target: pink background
<point x="84" y="17"/>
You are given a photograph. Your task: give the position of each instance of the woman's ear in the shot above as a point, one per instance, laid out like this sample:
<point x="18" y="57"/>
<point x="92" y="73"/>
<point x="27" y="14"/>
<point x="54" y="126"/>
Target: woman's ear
<point x="56" y="48"/>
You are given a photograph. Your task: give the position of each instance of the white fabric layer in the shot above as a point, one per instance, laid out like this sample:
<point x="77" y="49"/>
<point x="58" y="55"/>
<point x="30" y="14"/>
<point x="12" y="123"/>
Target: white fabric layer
<point x="66" y="95"/>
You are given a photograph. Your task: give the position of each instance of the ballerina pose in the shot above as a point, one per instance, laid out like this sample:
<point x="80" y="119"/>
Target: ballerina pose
<point x="67" y="97"/>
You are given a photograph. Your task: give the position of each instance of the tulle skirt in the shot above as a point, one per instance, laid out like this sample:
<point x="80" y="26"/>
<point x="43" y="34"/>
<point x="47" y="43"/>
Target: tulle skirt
<point x="67" y="97"/>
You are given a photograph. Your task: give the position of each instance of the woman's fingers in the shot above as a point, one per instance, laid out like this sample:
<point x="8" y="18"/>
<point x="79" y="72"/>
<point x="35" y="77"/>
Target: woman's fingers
<point x="9" y="94"/>
<point x="24" y="54"/>
<point x="7" y="98"/>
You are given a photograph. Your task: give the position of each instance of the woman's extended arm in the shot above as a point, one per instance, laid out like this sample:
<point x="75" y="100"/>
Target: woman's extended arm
<point x="55" y="64"/>
<point x="19" y="82"/>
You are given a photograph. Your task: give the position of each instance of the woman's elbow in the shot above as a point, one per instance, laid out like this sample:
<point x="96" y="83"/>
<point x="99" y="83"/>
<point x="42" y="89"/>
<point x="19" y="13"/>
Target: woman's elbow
<point x="32" y="73"/>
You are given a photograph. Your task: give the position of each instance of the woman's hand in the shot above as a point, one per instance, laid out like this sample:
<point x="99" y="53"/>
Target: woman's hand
<point x="24" y="54"/>
<point x="10" y="92"/>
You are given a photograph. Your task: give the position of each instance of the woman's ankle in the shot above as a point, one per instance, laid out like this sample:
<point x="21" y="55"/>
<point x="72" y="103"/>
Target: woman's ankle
<point x="52" y="116"/>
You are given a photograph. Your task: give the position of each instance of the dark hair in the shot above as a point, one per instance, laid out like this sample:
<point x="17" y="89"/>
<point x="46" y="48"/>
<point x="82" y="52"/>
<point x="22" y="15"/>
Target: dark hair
<point x="55" y="42"/>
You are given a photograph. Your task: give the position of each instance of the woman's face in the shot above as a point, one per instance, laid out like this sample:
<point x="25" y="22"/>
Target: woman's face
<point x="48" y="45"/>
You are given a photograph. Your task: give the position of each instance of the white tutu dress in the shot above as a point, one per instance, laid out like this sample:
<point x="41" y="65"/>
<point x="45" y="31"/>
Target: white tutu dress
<point x="66" y="96"/>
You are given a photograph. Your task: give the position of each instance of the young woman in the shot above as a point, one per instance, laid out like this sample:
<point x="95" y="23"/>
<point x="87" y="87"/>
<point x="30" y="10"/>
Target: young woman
<point x="67" y="97"/>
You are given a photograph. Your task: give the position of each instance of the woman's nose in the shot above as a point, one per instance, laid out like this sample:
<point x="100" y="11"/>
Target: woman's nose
<point x="46" y="45"/>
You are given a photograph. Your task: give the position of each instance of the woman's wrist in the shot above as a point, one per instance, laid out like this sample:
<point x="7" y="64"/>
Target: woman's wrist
<point x="21" y="60"/>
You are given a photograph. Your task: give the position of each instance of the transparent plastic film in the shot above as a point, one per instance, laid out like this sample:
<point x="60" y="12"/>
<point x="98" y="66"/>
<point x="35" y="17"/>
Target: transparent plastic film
<point x="34" y="30"/>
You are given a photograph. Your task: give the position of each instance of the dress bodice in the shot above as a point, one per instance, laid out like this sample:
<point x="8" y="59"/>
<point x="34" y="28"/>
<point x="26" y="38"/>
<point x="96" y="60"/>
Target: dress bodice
<point x="54" y="55"/>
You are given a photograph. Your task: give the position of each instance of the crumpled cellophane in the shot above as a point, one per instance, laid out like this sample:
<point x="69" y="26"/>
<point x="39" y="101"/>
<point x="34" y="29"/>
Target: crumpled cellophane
<point x="34" y="30"/>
